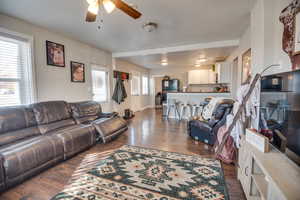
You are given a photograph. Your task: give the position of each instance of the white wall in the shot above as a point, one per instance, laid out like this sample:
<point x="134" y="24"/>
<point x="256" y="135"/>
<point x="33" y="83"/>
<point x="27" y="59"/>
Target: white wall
<point x="264" y="37"/>
<point x="136" y="103"/>
<point x="54" y="83"/>
<point x="266" y="34"/>
<point x="245" y="45"/>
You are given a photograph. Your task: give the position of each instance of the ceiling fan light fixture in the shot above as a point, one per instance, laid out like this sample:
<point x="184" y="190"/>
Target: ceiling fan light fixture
<point x="94" y="8"/>
<point x="109" y="6"/>
<point x="92" y="1"/>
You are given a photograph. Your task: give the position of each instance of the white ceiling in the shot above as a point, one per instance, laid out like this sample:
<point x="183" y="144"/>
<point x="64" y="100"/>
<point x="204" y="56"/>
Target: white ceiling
<point x="180" y="22"/>
<point x="182" y="59"/>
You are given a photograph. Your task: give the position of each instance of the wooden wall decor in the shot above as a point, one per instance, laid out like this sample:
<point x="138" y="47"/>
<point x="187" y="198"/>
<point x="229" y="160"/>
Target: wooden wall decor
<point x="123" y="75"/>
<point x="291" y="38"/>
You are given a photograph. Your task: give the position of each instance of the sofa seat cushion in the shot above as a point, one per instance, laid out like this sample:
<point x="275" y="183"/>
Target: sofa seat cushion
<point x="86" y="120"/>
<point x="21" y="158"/>
<point x="110" y="128"/>
<point x="75" y="138"/>
<point x="14" y="136"/>
<point x="46" y="128"/>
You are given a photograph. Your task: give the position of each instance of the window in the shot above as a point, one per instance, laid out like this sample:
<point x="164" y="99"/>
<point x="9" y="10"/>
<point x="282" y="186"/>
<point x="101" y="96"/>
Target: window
<point x="145" y="85"/>
<point x="135" y="85"/>
<point x="16" y="84"/>
<point x="100" y="84"/>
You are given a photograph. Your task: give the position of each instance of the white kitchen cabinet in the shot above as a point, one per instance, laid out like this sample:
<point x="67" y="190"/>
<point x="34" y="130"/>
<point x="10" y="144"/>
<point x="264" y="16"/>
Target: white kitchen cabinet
<point x="201" y="76"/>
<point x="224" y="72"/>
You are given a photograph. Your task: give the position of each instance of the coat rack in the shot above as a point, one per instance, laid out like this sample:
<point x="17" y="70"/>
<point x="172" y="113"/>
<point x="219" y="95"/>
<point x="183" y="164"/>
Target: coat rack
<point x="123" y="75"/>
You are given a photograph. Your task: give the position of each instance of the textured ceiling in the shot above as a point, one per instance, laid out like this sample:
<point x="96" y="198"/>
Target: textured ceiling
<point x="180" y="22"/>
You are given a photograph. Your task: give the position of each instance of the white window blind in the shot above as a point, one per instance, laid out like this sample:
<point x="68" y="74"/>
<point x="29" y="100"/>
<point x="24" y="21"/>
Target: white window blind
<point x="145" y="85"/>
<point x="16" y="85"/>
<point x="135" y="85"/>
<point x="100" y="84"/>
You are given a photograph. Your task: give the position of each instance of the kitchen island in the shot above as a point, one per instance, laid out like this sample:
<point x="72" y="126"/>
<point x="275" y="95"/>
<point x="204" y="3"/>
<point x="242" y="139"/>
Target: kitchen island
<point x="192" y="98"/>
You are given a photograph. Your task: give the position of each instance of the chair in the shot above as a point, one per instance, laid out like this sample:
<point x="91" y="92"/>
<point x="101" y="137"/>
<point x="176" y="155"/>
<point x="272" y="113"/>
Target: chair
<point x="206" y="131"/>
<point x="184" y="107"/>
<point x="173" y="104"/>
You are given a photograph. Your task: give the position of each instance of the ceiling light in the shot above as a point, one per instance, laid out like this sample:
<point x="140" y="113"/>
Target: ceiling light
<point x="164" y="63"/>
<point x="150" y="26"/>
<point x="109" y="5"/>
<point x="94" y="7"/>
<point x="202" y="60"/>
<point x="197" y="65"/>
<point x="91" y="1"/>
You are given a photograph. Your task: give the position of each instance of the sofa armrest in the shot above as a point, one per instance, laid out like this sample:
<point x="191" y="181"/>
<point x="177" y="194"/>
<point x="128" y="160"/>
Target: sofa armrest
<point x="108" y="115"/>
<point x="200" y="125"/>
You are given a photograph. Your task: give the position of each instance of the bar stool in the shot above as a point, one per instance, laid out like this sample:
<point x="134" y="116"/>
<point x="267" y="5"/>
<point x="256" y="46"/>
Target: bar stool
<point x="196" y="108"/>
<point x="184" y="107"/>
<point x="173" y="104"/>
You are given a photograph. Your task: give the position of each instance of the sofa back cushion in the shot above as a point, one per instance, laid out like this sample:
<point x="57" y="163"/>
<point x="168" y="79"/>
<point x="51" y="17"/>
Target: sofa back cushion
<point x="16" y="123"/>
<point x="15" y="118"/>
<point x="86" y="111"/>
<point x="51" y="111"/>
<point x="52" y="115"/>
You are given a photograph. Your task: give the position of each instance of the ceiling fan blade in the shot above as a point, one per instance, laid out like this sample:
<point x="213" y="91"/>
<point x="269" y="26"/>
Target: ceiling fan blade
<point x="127" y="9"/>
<point x="90" y="17"/>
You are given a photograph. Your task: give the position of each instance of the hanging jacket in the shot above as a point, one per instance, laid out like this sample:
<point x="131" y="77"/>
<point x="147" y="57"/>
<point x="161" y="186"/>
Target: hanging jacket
<point x="119" y="94"/>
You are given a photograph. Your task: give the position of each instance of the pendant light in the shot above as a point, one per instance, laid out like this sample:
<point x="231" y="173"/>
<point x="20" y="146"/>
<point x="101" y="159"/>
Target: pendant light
<point x="109" y="5"/>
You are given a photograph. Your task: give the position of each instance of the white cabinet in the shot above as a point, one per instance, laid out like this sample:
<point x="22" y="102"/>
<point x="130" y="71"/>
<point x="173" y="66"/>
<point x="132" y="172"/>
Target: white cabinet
<point x="224" y="72"/>
<point x="201" y="76"/>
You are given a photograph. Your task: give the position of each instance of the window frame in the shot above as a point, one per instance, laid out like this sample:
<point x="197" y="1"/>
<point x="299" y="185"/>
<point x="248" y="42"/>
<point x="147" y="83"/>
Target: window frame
<point x="139" y="85"/>
<point x="147" y="92"/>
<point x="97" y="67"/>
<point x="11" y="36"/>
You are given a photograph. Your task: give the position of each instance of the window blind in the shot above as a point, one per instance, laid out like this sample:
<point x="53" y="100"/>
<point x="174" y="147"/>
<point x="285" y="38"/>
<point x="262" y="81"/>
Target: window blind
<point x="15" y="72"/>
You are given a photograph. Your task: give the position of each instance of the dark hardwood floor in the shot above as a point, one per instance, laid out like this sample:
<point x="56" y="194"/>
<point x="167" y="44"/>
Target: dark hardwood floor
<point x="147" y="129"/>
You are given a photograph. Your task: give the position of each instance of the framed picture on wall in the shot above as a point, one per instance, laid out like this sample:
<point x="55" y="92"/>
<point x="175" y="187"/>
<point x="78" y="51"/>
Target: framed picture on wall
<point x="55" y="54"/>
<point x="246" y="65"/>
<point x="77" y="72"/>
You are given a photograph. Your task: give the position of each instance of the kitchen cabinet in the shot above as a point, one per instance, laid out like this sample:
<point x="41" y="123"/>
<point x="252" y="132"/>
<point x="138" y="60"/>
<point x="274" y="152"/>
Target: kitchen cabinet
<point x="201" y="76"/>
<point x="224" y="71"/>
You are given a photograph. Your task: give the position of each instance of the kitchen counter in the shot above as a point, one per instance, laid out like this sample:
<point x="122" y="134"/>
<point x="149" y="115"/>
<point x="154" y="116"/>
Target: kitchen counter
<point x="194" y="97"/>
<point x="199" y="92"/>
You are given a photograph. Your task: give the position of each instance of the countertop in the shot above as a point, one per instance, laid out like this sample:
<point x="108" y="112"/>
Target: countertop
<point x="199" y="92"/>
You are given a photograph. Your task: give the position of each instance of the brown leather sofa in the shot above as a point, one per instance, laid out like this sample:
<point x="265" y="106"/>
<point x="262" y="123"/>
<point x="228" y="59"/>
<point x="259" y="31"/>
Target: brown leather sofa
<point x="36" y="137"/>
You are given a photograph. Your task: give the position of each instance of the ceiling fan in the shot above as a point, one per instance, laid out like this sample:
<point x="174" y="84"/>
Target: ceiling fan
<point x="109" y="6"/>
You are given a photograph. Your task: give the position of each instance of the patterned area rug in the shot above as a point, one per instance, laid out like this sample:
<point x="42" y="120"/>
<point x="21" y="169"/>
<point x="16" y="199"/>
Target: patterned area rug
<point x="133" y="173"/>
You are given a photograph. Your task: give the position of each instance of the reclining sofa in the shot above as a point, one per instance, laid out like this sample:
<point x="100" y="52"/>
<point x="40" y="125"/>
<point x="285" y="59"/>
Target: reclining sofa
<point x="36" y="137"/>
<point x="206" y="131"/>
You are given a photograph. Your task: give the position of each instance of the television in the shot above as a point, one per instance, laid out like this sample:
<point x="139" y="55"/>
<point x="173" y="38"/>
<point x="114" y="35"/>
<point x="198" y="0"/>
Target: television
<point x="280" y="107"/>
